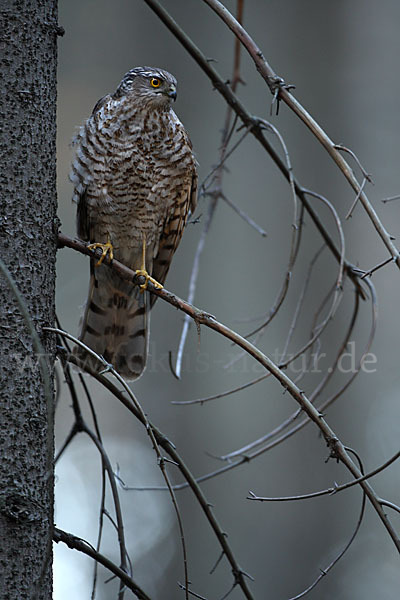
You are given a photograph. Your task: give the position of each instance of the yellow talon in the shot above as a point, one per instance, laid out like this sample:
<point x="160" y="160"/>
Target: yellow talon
<point x="145" y="274"/>
<point x="105" y="248"/>
<point x="143" y="271"/>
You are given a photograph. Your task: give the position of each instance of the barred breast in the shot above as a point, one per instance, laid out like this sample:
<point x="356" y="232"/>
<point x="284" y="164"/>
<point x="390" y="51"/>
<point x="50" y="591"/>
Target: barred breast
<point x="135" y="180"/>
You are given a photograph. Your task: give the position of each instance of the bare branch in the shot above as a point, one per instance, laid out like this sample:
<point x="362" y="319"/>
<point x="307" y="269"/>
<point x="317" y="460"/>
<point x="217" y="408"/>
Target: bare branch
<point x="109" y="368"/>
<point x="216" y="174"/>
<point x="167" y="445"/>
<point x="329" y="491"/>
<point x="377" y="267"/>
<point x="202" y="318"/>
<point x="273" y="81"/>
<point x="391" y="199"/>
<point x="222" y="394"/>
<point x="247" y="118"/>
<point x="244" y="216"/>
<point x="325" y="571"/>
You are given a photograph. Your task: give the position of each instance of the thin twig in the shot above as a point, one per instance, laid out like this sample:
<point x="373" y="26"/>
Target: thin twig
<point x="244" y="216"/>
<point x="217" y="172"/>
<point x="222" y="394"/>
<point x="377" y="267"/>
<point x="329" y="491"/>
<point x="81" y="545"/>
<point x="182" y="587"/>
<point x="365" y="174"/>
<point x="300" y="302"/>
<point x="352" y="207"/>
<point x="391" y="199"/>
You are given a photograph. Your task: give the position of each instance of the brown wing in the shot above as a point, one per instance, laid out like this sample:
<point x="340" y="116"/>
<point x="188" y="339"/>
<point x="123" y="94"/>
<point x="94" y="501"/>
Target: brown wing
<point x="100" y="103"/>
<point x="85" y="219"/>
<point x="82" y="218"/>
<point x="172" y="232"/>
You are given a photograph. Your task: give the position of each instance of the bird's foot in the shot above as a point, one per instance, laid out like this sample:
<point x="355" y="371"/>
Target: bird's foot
<point x="144" y="273"/>
<point x="105" y="249"/>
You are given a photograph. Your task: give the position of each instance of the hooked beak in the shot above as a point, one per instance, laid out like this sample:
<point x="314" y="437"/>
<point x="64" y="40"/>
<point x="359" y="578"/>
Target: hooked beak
<point x="172" y="92"/>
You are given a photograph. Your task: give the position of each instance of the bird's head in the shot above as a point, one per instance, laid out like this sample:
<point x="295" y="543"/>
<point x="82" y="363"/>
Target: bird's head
<point x="154" y="87"/>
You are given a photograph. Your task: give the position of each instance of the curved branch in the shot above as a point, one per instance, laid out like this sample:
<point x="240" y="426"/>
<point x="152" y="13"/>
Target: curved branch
<point x="202" y="318"/>
<point x="109" y="368"/>
<point x="167" y="445"/>
<point x="276" y="83"/>
<point x="254" y="124"/>
<point x="333" y="562"/>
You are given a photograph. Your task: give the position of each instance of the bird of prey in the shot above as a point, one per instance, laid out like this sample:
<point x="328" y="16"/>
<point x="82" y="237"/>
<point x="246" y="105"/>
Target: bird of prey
<point x="135" y="183"/>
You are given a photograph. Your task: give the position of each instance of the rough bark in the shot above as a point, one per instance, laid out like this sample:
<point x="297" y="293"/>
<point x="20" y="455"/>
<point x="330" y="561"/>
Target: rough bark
<point x="28" y="38"/>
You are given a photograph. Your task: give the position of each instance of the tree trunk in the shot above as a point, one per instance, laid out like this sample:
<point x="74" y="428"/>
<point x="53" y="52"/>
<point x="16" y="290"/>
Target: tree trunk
<point x="28" y="227"/>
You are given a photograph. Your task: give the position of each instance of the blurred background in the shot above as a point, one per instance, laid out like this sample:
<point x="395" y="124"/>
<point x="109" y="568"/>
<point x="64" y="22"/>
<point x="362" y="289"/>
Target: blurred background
<point x="343" y="59"/>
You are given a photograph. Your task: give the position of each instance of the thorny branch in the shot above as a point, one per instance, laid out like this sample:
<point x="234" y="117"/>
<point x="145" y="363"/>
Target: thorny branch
<point x="254" y="124"/>
<point x="74" y="430"/>
<point x="326" y="569"/>
<point x="166" y="444"/>
<point x="80" y="426"/>
<point x="161" y="462"/>
<point x="274" y="82"/>
<point x="337" y="449"/>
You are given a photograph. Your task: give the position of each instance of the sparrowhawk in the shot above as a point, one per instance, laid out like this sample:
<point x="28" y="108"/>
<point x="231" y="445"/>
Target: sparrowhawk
<point x="135" y="183"/>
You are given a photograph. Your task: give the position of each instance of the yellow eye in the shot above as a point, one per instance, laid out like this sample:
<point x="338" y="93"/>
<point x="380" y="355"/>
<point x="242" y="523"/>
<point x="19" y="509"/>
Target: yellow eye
<point x="155" y="82"/>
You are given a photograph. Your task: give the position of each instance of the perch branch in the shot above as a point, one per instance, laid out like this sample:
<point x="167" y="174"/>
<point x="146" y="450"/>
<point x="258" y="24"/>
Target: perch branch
<point x="336" y="447"/>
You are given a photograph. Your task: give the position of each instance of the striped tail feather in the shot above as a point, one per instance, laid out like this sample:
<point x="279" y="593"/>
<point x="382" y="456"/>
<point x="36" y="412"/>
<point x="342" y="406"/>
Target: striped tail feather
<point x="115" y="323"/>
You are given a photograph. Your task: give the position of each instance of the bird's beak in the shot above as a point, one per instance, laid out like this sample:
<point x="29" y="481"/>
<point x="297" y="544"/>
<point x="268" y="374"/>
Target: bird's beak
<point x="172" y="92"/>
